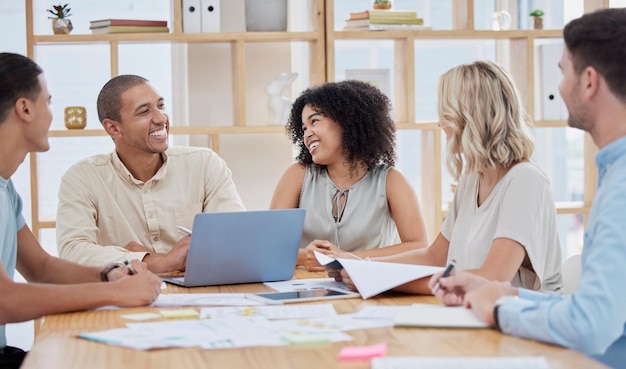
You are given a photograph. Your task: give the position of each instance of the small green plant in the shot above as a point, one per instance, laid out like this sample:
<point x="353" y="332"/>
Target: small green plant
<point x="537" y="13"/>
<point x="60" y="11"/>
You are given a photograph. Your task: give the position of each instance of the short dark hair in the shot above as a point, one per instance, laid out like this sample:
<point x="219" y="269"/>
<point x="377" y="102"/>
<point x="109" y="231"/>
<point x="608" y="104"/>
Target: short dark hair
<point x="19" y="77"/>
<point x="110" y="97"/>
<point x="362" y="111"/>
<point x="598" y="39"/>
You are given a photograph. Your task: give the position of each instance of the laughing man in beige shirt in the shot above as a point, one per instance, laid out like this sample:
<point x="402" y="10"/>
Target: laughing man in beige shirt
<point x="126" y="204"/>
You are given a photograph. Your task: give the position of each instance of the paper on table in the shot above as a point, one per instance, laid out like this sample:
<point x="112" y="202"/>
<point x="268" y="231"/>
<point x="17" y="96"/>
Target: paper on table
<point x="204" y="299"/>
<point x="535" y="362"/>
<point x="307" y="284"/>
<point x="374" y="277"/>
<point x="270" y="312"/>
<point x="431" y="315"/>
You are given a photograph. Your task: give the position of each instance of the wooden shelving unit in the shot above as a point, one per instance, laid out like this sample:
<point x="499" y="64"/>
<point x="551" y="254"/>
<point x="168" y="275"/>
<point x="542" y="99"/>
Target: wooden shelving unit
<point x="321" y="41"/>
<point x="521" y="50"/>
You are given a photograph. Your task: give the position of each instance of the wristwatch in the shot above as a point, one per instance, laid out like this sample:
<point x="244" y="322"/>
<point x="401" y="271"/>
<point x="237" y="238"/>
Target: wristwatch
<point x="104" y="274"/>
<point x="499" y="302"/>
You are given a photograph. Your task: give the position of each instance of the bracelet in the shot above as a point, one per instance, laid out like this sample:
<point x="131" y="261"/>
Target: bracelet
<point x="495" y="317"/>
<point x="104" y="274"/>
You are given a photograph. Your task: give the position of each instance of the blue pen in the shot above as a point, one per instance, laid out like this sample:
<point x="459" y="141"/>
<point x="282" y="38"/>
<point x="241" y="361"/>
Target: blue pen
<point x="445" y="274"/>
<point x="186" y="230"/>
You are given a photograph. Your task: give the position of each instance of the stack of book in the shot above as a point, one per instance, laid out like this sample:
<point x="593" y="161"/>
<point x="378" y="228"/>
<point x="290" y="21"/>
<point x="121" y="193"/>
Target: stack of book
<point x="106" y="26"/>
<point x="360" y="20"/>
<point x="395" y="19"/>
<point x="377" y="19"/>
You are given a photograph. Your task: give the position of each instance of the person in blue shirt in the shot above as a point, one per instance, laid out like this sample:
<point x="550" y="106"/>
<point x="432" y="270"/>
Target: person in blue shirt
<point x="593" y="318"/>
<point x="55" y="285"/>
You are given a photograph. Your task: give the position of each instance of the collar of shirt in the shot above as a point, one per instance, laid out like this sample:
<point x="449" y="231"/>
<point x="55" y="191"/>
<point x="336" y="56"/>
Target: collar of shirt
<point x="121" y="169"/>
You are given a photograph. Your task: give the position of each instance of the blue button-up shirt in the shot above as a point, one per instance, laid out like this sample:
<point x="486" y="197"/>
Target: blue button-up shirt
<point x="592" y="319"/>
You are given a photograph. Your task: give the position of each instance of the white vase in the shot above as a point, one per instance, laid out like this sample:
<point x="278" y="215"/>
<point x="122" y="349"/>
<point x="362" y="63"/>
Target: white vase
<point x="266" y="15"/>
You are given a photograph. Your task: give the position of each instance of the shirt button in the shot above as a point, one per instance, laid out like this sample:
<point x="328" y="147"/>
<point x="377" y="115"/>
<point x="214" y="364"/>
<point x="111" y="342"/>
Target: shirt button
<point x="151" y="215"/>
<point x="155" y="238"/>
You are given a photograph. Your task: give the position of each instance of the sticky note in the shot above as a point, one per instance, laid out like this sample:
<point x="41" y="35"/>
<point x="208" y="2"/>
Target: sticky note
<point x="141" y="316"/>
<point x="304" y="339"/>
<point x="362" y="352"/>
<point x="179" y="314"/>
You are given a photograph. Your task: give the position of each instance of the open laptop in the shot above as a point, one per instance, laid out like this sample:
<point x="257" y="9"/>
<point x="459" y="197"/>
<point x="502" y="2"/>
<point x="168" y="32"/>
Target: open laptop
<point x="242" y="247"/>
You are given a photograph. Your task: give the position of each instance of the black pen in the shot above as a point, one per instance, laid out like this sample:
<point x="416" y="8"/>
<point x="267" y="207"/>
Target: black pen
<point x="445" y="274"/>
<point x="131" y="270"/>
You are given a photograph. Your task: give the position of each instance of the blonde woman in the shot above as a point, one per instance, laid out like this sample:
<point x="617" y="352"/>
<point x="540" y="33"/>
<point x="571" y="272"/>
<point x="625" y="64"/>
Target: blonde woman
<point x="502" y="222"/>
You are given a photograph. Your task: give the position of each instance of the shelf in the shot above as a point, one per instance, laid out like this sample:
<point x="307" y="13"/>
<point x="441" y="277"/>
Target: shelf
<point x="194" y="130"/>
<point x="180" y="37"/>
<point x="444" y="34"/>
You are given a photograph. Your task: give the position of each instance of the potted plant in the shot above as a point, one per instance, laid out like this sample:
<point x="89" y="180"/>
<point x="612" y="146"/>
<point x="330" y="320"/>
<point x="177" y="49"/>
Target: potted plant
<point x="537" y="15"/>
<point x="61" y="25"/>
<point x="382" y="4"/>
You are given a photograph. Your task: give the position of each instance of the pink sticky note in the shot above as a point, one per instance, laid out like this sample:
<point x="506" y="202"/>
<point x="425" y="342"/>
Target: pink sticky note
<point x="363" y="352"/>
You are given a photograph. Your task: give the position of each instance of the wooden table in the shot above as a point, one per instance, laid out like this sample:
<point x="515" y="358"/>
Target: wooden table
<point x="56" y="344"/>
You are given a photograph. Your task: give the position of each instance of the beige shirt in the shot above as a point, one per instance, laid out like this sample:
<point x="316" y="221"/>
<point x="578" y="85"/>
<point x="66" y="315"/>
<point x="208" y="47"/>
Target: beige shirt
<point x="102" y="206"/>
<point x="521" y="208"/>
<point x="366" y="222"/>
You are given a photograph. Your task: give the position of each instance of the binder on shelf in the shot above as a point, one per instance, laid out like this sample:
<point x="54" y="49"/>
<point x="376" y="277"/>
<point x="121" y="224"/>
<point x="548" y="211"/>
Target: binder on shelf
<point x="210" y="17"/>
<point x="192" y="16"/>
<point x="552" y="105"/>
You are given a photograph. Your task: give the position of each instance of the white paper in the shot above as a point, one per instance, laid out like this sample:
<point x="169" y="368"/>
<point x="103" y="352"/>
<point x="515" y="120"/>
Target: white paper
<point x="271" y="312"/>
<point x="307" y="284"/>
<point x="431" y="315"/>
<point x="378" y="312"/>
<point x="374" y="277"/>
<point x="212" y="334"/>
<point x="204" y="299"/>
<point x="535" y="362"/>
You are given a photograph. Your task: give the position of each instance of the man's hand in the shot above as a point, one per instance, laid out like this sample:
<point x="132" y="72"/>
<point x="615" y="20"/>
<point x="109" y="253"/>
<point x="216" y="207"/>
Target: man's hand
<point x="174" y="260"/>
<point x="482" y="300"/>
<point x="452" y="289"/>
<point x="142" y="288"/>
<point x="135" y="247"/>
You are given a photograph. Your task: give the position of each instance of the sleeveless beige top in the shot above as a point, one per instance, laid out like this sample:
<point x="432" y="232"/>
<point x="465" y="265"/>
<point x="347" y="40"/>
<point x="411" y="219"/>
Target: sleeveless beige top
<point x="363" y="223"/>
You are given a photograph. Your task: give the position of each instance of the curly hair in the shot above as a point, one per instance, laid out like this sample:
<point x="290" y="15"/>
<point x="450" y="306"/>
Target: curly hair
<point x="363" y="113"/>
<point x="481" y="105"/>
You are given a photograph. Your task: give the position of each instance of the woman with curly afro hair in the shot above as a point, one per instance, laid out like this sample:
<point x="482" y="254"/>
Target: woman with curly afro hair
<point x="344" y="177"/>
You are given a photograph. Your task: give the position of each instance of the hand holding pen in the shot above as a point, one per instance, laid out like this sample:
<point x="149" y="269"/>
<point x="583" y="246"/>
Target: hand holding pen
<point x="446" y="273"/>
<point x="129" y="266"/>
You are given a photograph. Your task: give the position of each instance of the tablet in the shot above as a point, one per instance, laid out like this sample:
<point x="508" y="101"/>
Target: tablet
<point x="301" y="296"/>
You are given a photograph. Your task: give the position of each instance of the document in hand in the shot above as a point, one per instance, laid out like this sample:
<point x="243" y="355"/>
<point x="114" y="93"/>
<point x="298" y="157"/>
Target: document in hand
<point x="374" y="277"/>
<point x="437" y="316"/>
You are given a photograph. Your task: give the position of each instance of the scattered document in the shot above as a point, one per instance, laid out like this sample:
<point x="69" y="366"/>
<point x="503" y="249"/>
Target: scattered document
<point x="307" y="284"/>
<point x="439" y="316"/>
<point x="214" y="334"/>
<point x="535" y="362"/>
<point x="378" y="312"/>
<point x="374" y="277"/>
<point x="204" y="299"/>
<point x="341" y="322"/>
<point x="270" y="312"/>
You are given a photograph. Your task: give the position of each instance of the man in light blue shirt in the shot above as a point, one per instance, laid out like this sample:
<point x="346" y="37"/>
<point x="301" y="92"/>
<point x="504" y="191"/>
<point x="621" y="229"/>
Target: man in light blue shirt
<point x="593" y="318"/>
<point x="60" y="286"/>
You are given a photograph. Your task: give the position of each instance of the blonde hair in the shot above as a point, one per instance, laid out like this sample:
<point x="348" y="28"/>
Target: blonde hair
<point x="481" y="105"/>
